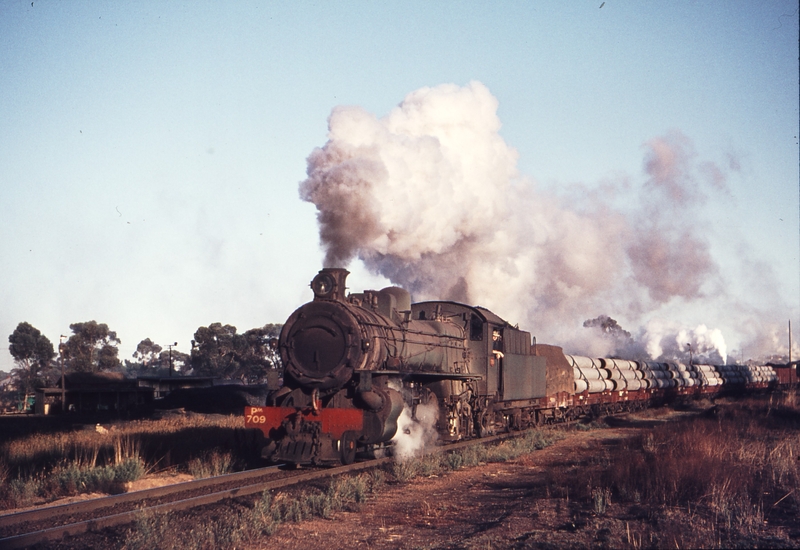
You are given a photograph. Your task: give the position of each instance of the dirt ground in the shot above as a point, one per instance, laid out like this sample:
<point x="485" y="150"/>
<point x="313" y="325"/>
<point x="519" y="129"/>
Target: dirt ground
<point x="510" y="505"/>
<point x="500" y="505"/>
<point x="528" y="502"/>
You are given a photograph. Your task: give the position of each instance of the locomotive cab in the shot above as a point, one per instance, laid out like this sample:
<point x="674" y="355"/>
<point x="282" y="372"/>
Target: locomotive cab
<point x="507" y="375"/>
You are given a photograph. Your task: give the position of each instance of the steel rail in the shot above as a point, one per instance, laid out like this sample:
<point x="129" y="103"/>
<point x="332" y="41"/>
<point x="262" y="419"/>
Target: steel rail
<point x="50" y="512"/>
<point x="77" y="528"/>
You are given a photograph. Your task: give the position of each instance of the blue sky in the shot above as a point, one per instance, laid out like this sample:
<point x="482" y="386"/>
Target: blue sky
<point x="150" y="152"/>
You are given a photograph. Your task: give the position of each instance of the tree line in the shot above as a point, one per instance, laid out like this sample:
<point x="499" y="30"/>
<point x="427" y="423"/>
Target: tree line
<point x="217" y="350"/>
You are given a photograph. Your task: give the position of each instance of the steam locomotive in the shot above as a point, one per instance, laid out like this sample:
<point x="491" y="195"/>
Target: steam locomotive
<point x="354" y="362"/>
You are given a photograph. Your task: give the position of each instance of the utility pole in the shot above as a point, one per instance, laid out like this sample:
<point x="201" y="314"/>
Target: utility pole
<point x="170" y="346"/>
<point x="61" y="360"/>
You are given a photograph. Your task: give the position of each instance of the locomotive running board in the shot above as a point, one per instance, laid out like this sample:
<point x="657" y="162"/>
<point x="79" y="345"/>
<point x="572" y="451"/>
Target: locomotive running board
<point x="426" y="376"/>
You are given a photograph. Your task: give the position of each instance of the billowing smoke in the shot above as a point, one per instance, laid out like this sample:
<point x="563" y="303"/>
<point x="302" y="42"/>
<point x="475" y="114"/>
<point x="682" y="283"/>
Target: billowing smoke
<point x="426" y="181"/>
<point x="430" y="197"/>
<point x="415" y="432"/>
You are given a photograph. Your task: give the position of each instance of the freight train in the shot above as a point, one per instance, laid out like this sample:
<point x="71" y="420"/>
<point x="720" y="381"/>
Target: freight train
<point x="353" y="363"/>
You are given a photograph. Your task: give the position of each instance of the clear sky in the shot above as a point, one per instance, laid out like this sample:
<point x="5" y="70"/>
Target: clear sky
<point x="151" y="152"/>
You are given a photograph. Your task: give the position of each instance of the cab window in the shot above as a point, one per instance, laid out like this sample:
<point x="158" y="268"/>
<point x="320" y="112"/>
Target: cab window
<point x="475" y="328"/>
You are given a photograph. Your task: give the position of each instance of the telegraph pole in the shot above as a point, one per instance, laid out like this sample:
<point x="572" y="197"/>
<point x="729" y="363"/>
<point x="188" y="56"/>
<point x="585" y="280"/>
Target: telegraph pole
<point x="790" y="342"/>
<point x="170" y="346"/>
<point x="61" y="360"/>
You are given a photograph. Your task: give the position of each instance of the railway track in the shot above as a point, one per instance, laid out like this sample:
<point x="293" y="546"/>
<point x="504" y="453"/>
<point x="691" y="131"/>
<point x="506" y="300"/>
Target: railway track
<point x="52" y="523"/>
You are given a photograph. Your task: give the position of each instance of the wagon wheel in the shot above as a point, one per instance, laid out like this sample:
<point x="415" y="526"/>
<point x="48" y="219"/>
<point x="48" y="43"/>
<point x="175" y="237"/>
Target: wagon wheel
<point x="465" y="425"/>
<point x="485" y="427"/>
<point x="516" y="422"/>
<point x="348" y="447"/>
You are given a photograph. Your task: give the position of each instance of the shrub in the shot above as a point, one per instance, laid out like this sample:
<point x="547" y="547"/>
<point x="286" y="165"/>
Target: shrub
<point x="455" y="461"/>
<point x="129" y="470"/>
<point x="377" y="478"/>
<point x="21" y="492"/>
<point x="148" y="532"/>
<point x="473" y="455"/>
<point x="405" y="470"/>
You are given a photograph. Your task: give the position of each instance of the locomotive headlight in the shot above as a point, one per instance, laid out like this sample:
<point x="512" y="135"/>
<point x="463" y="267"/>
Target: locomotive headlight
<point x="322" y="285"/>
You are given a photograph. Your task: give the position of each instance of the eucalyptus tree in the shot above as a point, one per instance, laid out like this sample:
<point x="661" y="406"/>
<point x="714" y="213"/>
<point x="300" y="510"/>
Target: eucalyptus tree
<point x="147" y="352"/>
<point x="218" y="350"/>
<point x="32" y="352"/>
<point x="91" y="348"/>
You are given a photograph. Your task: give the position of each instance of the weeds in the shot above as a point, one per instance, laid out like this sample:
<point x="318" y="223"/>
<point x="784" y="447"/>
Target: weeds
<point x="601" y="499"/>
<point x="82" y="474"/>
<point x="4" y="472"/>
<point x="212" y="463"/>
<point x="731" y="470"/>
<point x="431" y="465"/>
<point x="698" y="461"/>
<point x="435" y="464"/>
<point x="71" y="479"/>
<point x="149" y="529"/>
<point x="405" y="470"/>
<point x="126" y="447"/>
<point x="593" y="425"/>
<point x="250" y="524"/>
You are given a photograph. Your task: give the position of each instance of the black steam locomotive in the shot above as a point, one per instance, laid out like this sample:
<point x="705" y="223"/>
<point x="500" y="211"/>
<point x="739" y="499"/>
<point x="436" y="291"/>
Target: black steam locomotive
<point x="354" y="362"/>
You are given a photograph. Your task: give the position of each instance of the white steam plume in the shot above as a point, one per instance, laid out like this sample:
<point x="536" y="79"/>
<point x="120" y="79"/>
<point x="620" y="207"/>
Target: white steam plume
<point x="415" y="433"/>
<point x="430" y="197"/>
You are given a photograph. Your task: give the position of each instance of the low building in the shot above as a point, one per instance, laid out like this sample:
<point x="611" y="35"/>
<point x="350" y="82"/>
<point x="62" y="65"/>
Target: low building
<point x="163" y="385"/>
<point x="93" y="393"/>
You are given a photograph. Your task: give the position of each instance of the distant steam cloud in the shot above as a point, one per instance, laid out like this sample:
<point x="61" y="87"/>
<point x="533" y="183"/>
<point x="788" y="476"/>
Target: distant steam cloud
<point x="663" y="341"/>
<point x="430" y="197"/>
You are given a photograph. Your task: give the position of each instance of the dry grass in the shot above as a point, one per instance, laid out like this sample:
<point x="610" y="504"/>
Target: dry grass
<point x="239" y="526"/>
<point x="213" y="463"/>
<point x="435" y="464"/>
<point x="713" y="481"/>
<point x="34" y="465"/>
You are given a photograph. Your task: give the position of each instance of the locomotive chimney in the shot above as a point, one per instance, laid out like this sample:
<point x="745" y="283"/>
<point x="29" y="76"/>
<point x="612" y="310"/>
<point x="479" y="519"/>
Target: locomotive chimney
<point x="329" y="284"/>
